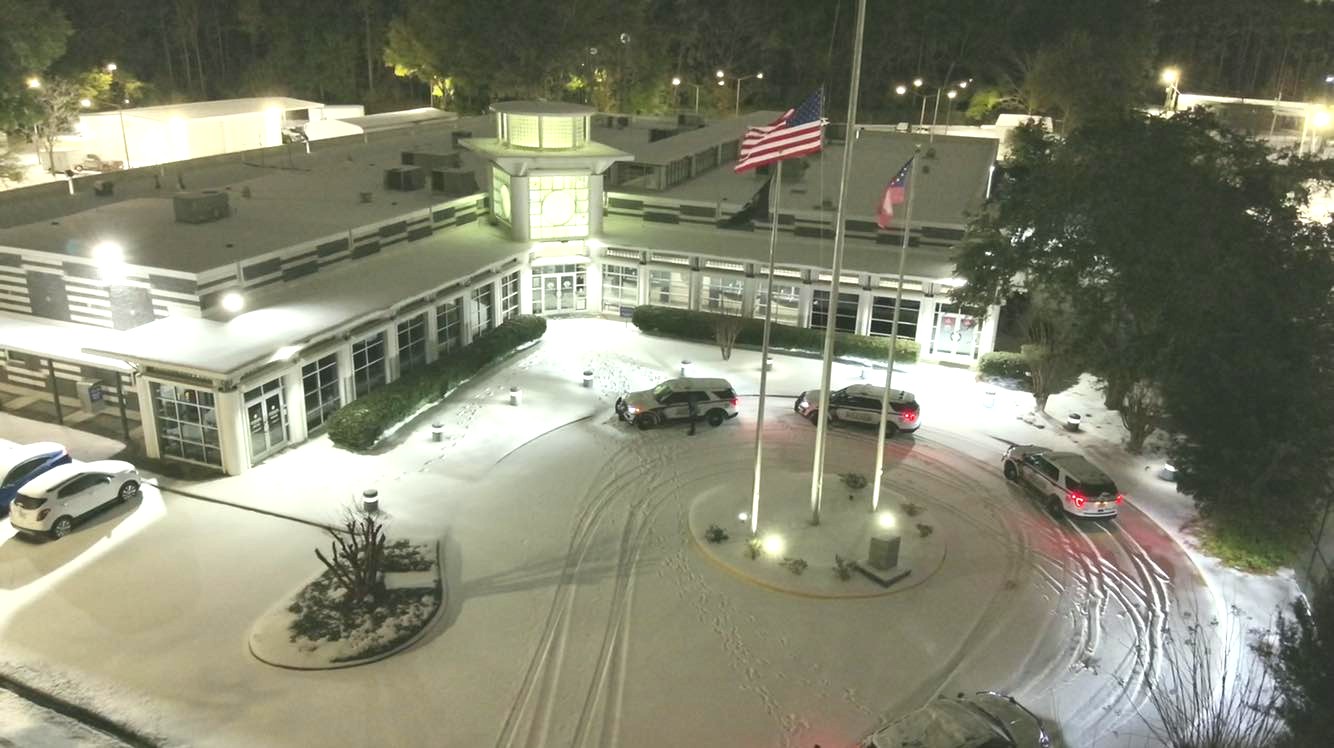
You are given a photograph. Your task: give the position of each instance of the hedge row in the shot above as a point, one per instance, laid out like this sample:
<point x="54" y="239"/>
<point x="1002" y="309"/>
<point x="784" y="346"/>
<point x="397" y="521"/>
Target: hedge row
<point x="361" y="422"/>
<point x="1003" y="364"/>
<point x="683" y="323"/>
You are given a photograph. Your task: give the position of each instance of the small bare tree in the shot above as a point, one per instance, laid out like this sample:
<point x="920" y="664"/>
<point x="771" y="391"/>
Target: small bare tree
<point x="1140" y="411"/>
<point x="726" y="328"/>
<point x="10" y="168"/>
<point x="356" y="557"/>
<point x="1215" y="689"/>
<point x="1052" y="365"/>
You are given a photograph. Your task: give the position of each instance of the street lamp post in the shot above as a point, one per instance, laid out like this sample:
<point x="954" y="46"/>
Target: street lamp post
<point x="120" y="113"/>
<point x="759" y="76"/>
<point x="953" y="92"/>
<point x="36" y="83"/>
<point x="676" y="83"/>
<point x="1171" y="77"/>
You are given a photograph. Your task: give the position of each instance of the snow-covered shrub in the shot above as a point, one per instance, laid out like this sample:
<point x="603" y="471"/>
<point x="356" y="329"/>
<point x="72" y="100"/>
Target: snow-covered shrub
<point x="854" y="481"/>
<point x="924" y="530"/>
<point x="911" y="509"/>
<point x="794" y="565"/>
<point x="1003" y="365"/>
<point x="754" y="547"/>
<point x="843" y="567"/>
<point x="688" y="325"/>
<point x="715" y="534"/>
<point x="360" y="423"/>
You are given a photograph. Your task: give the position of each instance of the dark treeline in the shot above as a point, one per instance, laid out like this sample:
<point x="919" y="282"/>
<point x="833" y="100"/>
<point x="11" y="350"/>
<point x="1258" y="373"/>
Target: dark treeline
<point x="1055" y="56"/>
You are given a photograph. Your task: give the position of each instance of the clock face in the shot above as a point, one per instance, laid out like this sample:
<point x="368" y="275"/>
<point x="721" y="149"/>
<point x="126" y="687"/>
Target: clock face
<point x="558" y="207"/>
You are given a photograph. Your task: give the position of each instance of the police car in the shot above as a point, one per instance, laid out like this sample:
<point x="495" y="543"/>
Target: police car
<point x="862" y="403"/>
<point x="715" y="401"/>
<point x="1065" y="482"/>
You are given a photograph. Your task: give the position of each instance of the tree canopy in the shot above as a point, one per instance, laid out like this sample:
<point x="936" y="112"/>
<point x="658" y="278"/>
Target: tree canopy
<point x="1179" y="249"/>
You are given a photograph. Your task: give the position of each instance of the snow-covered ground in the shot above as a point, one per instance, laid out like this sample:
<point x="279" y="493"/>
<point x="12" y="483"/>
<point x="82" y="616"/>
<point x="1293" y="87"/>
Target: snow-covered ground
<point x="581" y="614"/>
<point x="24" y="724"/>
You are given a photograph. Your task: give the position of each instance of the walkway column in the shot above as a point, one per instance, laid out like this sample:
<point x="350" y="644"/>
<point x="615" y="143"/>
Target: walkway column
<point x="231" y="431"/>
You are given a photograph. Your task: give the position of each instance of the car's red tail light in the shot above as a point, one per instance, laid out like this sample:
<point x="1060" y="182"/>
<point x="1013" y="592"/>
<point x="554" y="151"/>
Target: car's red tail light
<point x="42" y="514"/>
<point x="734" y="401"/>
<point x="1120" y="498"/>
<point x="909" y="415"/>
<point x="1077" y="499"/>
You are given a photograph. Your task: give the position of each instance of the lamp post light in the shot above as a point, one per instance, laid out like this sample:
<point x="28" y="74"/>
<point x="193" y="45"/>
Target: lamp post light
<point x="1319" y="119"/>
<point x="676" y="83"/>
<point x="1171" y="77"/>
<point x="758" y="76"/>
<point x="917" y="83"/>
<point x="120" y="113"/>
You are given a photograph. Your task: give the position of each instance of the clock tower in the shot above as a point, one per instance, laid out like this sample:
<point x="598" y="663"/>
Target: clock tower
<point x="546" y="174"/>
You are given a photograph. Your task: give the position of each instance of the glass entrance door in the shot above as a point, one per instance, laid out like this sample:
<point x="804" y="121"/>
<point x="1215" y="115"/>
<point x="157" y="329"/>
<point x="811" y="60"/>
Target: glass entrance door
<point x="559" y="289"/>
<point x="266" y="414"/>
<point x="955" y="333"/>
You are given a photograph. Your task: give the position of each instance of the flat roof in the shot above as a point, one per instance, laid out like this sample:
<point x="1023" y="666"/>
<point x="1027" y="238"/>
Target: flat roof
<point x="542" y="107"/>
<point x="403" y="118"/>
<point x="859" y="256"/>
<point x="293" y="200"/>
<point x="690" y="142"/>
<point x="951" y="184"/>
<point x="64" y="341"/>
<point x="323" y="303"/>
<point x="219" y="108"/>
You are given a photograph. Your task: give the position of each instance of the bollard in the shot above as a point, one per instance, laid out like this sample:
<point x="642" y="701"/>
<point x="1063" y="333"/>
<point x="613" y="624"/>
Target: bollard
<point x="588" y="377"/>
<point x="1072" y="422"/>
<point x="516" y="395"/>
<point x="370" y="501"/>
<point x="862" y="373"/>
<point x="437" y="432"/>
<point x="685" y="365"/>
<point x="1168" y="472"/>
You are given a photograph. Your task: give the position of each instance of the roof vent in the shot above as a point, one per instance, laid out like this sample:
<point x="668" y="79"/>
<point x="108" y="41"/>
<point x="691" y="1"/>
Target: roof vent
<point x="404" y="178"/>
<point x="201" y="207"/>
<point x="454" y="181"/>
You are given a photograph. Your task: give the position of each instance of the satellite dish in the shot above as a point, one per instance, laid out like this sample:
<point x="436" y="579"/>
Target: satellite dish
<point x="625" y="38"/>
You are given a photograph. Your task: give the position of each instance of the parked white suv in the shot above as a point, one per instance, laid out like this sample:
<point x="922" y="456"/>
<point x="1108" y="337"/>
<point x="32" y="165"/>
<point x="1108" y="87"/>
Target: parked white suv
<point x="53" y="501"/>
<point x="862" y="403"/>
<point x="715" y="401"/>
<point x="1065" y="482"/>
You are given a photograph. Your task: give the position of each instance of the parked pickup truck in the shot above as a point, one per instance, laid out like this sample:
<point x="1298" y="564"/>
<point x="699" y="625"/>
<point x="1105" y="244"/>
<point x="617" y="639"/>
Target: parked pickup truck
<point x="93" y="162"/>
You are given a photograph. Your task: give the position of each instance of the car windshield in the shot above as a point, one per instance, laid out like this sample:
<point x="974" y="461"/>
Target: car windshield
<point x="661" y="392"/>
<point x="28" y="502"/>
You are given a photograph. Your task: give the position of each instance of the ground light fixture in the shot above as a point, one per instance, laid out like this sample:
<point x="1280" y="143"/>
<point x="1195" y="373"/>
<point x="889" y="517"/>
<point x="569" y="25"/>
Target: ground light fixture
<point x="233" y="301"/>
<point x="108" y="253"/>
<point x="885" y="520"/>
<point x="773" y="544"/>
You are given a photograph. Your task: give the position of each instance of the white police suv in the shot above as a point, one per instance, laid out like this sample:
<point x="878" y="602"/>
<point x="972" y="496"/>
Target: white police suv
<point x="1065" y="482"/>
<point x="715" y="401"/>
<point x="861" y="403"/>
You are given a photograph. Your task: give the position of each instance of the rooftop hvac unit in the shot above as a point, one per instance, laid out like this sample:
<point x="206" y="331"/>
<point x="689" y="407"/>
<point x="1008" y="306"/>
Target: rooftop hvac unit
<point x="429" y="161"/>
<point x="454" y="181"/>
<point x="458" y="135"/>
<point x="404" y="178"/>
<point x="201" y="207"/>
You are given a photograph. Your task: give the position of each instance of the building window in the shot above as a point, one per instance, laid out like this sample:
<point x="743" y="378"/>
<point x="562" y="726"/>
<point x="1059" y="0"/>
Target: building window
<point x="187" y="423"/>
<point x="368" y="364"/>
<point x="558" y="207"/>
<point x="846" y="315"/>
<point x="481" y="309"/>
<point x="669" y="288"/>
<point x="523" y="130"/>
<point x="787" y="303"/>
<point x="449" y="324"/>
<point x="509" y="296"/>
<point x="500" y="194"/>
<point x="558" y="132"/>
<point x="620" y="287"/>
<point x="722" y="294"/>
<point x="559" y="289"/>
<point x="411" y="343"/>
<point x="882" y="316"/>
<point x="319" y="379"/>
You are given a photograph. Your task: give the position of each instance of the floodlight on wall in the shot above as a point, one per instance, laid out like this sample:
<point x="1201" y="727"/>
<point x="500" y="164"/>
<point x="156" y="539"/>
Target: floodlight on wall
<point x="233" y="302"/>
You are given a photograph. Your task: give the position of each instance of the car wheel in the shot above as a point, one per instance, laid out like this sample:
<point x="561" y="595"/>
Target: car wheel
<point x="127" y="490"/>
<point x="645" y="421"/>
<point x="1011" y="472"/>
<point x="1054" y="507"/>
<point x="62" y="527"/>
<point x="716" y="417"/>
<point x="890" y="430"/>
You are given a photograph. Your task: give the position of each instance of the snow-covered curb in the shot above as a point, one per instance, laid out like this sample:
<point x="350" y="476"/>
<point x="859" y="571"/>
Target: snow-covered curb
<point x="270" y="639"/>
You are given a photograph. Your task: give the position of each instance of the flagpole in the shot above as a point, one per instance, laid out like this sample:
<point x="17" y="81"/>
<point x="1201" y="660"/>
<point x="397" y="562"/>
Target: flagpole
<point x="831" y="317"/>
<point x="775" y="190"/>
<point x="894" y="333"/>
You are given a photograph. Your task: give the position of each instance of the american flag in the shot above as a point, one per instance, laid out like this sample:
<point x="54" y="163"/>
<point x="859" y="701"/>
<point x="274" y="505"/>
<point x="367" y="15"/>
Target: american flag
<point x="894" y="195"/>
<point x="799" y="132"/>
